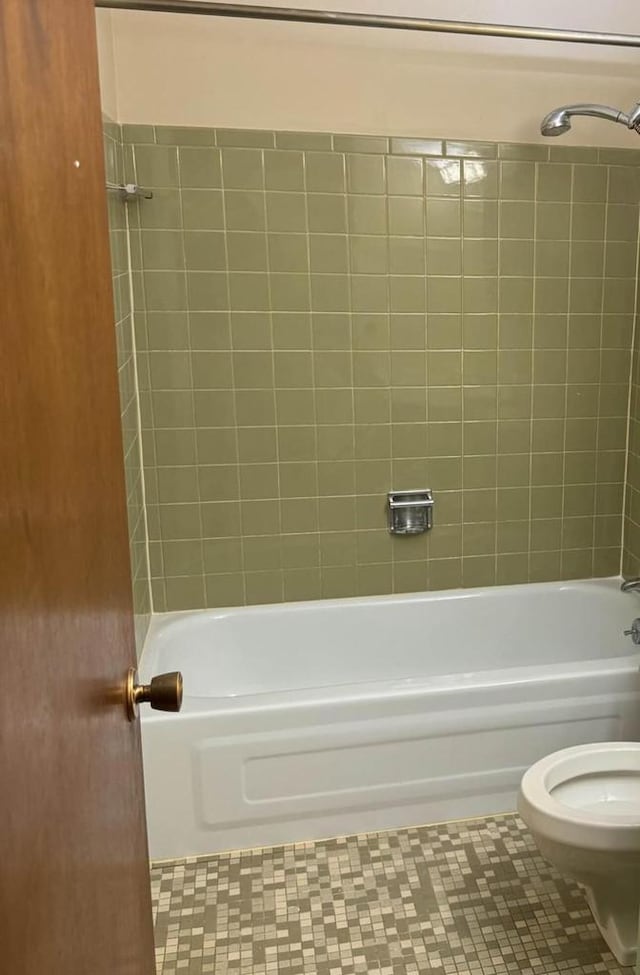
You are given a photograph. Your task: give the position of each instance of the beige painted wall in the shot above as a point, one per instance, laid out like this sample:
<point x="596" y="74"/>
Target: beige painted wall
<point x="248" y="74"/>
<point x="106" y="57"/>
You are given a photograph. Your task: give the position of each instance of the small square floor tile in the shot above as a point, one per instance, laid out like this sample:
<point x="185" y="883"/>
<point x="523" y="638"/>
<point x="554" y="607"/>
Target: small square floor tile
<point x="463" y="898"/>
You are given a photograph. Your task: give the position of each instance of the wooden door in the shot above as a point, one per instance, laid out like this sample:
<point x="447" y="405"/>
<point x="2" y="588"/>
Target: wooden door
<point x="74" y="881"/>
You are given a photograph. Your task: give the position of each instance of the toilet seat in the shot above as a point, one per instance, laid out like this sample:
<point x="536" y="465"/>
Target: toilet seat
<point x="587" y="796"/>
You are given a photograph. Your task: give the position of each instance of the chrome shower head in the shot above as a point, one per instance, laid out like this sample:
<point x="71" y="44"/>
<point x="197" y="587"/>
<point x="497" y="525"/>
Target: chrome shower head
<point x="558" y="121"/>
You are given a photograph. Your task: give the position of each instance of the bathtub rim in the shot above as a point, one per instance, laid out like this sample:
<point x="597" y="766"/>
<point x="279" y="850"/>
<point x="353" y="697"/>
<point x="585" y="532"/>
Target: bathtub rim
<point x="533" y="676"/>
<point x="161" y="621"/>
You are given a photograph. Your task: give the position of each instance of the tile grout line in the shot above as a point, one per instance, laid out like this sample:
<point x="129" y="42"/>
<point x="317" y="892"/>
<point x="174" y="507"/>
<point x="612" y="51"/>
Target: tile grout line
<point x="143" y="478"/>
<point x="572" y="170"/>
<point x="602" y="346"/>
<point x="630" y="399"/>
<point x="236" y="425"/>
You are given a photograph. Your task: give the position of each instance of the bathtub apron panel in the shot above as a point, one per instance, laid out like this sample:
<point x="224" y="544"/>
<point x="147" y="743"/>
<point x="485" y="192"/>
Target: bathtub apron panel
<point x="305" y="763"/>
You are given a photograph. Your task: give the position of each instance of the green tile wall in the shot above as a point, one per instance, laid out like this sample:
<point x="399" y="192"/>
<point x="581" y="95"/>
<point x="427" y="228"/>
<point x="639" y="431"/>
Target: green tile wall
<point x="320" y="318"/>
<point x="129" y="399"/>
<point x="631" y="555"/>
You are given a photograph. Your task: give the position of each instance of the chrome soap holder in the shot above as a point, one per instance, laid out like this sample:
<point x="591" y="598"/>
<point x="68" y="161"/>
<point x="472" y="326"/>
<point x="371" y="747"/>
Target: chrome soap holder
<point x="410" y="512"/>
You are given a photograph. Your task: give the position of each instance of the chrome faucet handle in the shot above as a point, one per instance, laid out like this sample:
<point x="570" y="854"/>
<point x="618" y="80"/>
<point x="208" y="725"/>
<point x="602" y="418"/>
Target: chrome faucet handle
<point x="631" y="585"/>
<point x="634" y="632"/>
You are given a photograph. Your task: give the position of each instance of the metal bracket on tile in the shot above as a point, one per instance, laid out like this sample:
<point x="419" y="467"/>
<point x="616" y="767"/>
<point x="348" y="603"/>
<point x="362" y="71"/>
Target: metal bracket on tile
<point x="130" y="191"/>
<point x="410" y="512"/>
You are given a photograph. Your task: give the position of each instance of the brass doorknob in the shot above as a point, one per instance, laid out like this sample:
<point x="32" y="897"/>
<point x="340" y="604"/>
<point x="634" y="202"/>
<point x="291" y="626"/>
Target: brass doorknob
<point x="164" y="693"/>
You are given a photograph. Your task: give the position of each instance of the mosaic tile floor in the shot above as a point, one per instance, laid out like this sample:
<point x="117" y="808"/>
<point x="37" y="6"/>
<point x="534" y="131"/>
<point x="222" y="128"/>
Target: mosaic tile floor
<point x="472" y="897"/>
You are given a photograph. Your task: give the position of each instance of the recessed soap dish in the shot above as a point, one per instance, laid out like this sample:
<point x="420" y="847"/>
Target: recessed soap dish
<point x="410" y="512"/>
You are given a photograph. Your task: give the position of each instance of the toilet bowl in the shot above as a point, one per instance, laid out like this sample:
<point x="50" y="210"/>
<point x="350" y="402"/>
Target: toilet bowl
<point x="582" y="806"/>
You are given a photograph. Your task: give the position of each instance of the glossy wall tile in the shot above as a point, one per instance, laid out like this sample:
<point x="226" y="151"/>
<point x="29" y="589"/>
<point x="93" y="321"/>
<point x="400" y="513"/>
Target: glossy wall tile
<point x="320" y="318"/>
<point x="631" y="554"/>
<point x="127" y="381"/>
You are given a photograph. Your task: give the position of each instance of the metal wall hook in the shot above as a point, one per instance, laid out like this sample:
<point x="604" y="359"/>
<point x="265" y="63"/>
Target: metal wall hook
<point x="129" y="191"/>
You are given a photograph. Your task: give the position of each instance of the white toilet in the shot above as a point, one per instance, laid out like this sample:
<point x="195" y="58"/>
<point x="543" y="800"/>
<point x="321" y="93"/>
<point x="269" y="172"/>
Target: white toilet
<point x="582" y="806"/>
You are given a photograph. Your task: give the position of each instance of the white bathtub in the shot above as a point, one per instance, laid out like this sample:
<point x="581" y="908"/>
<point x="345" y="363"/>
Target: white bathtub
<point x="318" y="719"/>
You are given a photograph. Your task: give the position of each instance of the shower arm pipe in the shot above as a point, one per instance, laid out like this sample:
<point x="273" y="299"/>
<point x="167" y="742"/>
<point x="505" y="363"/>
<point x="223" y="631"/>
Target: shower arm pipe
<point x="631" y="120"/>
<point x="207" y="8"/>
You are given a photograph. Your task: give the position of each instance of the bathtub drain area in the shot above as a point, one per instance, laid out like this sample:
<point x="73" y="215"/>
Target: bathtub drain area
<point x="473" y="897"/>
